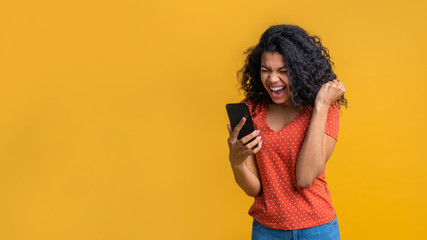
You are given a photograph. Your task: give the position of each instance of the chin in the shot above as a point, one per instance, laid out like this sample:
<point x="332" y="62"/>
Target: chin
<point x="279" y="100"/>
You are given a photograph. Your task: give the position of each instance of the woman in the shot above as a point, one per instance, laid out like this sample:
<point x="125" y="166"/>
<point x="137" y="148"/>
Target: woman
<point x="295" y="101"/>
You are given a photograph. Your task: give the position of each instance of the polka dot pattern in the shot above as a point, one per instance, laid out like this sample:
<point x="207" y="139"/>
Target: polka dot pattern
<point x="282" y="204"/>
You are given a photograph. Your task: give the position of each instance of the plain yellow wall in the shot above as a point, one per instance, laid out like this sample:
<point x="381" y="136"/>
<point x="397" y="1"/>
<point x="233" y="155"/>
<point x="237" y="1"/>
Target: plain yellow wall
<point x="113" y="122"/>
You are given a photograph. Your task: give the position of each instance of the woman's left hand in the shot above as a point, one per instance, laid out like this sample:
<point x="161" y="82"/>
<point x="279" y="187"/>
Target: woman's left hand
<point x="329" y="93"/>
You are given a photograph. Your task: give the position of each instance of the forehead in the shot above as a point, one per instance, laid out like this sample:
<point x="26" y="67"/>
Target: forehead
<point x="272" y="59"/>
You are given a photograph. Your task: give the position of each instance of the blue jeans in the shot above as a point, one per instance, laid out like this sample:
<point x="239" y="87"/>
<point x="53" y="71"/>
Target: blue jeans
<point x="327" y="231"/>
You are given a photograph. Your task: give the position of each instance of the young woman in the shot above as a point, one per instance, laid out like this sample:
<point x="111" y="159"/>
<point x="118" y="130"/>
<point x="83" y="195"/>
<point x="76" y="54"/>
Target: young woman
<point x="295" y="101"/>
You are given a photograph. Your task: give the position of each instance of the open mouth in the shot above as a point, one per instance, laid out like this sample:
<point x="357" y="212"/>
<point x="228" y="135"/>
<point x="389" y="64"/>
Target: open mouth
<point x="277" y="91"/>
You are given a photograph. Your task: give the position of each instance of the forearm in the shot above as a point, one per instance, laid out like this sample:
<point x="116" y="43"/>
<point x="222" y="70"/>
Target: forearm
<point x="246" y="180"/>
<point x="311" y="158"/>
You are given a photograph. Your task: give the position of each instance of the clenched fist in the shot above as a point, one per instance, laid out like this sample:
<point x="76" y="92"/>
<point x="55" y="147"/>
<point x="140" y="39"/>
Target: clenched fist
<point x="329" y="93"/>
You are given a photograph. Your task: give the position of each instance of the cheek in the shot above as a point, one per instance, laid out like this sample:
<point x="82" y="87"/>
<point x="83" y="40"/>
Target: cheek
<point x="263" y="79"/>
<point x="264" y="76"/>
<point x="285" y="79"/>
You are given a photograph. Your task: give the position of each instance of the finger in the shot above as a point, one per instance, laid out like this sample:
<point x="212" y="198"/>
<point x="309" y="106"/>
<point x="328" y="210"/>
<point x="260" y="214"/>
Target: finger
<point x="254" y="142"/>
<point x="237" y="129"/>
<point x="340" y="87"/>
<point x="340" y="91"/>
<point x="229" y="129"/>
<point x="254" y="151"/>
<point x="332" y="83"/>
<point x="248" y="137"/>
<point x="336" y="83"/>
<point x="329" y="84"/>
<point x="324" y="86"/>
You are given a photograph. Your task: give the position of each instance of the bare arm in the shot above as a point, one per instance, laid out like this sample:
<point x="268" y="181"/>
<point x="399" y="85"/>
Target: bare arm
<point x="247" y="177"/>
<point x="318" y="146"/>
<point x="242" y="159"/>
<point x="315" y="151"/>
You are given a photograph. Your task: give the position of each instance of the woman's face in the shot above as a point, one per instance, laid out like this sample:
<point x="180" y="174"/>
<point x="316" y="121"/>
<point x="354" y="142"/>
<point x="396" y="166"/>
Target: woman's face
<point x="274" y="77"/>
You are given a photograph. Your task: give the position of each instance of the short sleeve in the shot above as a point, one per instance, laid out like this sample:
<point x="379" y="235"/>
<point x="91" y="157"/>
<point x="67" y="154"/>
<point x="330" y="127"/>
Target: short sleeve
<point x="332" y="123"/>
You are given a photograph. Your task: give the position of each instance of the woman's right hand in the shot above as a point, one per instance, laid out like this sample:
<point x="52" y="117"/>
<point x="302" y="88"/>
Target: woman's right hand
<point x="239" y="150"/>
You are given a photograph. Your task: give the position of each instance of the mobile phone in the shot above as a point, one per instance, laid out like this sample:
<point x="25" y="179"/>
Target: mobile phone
<point x="235" y="113"/>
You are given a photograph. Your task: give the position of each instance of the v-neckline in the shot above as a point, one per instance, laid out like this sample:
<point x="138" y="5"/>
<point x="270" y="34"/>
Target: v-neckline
<point x="289" y="123"/>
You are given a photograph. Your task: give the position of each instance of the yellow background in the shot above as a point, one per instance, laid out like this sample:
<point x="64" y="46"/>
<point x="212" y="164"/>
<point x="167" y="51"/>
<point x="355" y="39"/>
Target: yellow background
<point x="113" y="122"/>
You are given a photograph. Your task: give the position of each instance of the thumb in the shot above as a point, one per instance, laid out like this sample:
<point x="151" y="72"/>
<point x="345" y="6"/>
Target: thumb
<point x="229" y="128"/>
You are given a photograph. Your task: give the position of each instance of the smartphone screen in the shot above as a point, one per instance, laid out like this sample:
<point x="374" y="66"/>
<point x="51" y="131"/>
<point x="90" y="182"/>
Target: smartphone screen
<point x="235" y="113"/>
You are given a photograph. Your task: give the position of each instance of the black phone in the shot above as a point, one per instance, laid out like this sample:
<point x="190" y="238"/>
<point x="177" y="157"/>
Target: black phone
<point x="235" y="113"/>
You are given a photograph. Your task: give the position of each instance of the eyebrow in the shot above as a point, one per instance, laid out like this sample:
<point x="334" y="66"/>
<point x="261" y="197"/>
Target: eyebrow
<point x="270" y="68"/>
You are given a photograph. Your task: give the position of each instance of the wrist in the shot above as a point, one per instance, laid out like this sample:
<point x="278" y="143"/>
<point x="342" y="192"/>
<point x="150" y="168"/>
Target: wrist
<point x="320" y="107"/>
<point x="237" y="166"/>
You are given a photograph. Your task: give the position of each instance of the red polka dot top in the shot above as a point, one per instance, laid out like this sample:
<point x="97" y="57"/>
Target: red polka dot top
<point x="282" y="204"/>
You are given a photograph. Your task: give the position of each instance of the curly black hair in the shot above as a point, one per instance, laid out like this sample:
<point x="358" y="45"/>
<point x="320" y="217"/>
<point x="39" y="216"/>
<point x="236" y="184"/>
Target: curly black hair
<point x="308" y="64"/>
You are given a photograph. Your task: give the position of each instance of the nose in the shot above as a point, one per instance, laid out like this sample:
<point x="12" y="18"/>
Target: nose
<point x="274" y="77"/>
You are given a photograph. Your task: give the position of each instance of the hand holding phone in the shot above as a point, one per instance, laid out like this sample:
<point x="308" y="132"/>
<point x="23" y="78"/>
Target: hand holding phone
<point x="243" y="140"/>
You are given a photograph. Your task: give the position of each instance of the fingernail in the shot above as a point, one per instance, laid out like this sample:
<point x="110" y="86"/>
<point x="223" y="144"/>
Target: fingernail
<point x="257" y="132"/>
<point x="259" y="137"/>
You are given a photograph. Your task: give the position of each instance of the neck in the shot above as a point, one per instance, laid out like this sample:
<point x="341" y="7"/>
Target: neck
<point x="288" y="105"/>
